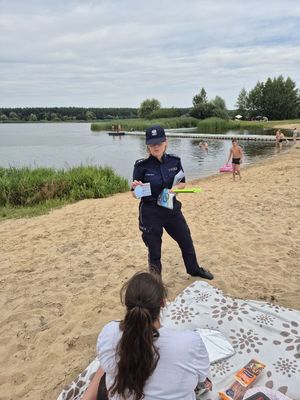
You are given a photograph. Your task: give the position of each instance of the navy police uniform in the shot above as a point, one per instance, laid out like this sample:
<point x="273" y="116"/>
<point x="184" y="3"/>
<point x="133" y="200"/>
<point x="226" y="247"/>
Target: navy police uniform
<point x="153" y="218"/>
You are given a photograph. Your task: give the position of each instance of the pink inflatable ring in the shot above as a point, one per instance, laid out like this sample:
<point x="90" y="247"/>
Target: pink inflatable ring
<point x="226" y="168"/>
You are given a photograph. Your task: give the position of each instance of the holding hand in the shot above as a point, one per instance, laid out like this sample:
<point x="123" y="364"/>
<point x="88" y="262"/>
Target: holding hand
<point x="180" y="185"/>
<point x="207" y="384"/>
<point x="134" y="184"/>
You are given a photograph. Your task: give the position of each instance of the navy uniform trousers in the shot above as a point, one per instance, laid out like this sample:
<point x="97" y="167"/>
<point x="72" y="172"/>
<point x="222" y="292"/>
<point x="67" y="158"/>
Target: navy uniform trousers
<point x="152" y="220"/>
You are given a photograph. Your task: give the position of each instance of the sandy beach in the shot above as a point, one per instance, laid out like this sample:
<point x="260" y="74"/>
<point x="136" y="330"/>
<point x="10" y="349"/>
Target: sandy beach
<point x="61" y="273"/>
<point x="287" y="126"/>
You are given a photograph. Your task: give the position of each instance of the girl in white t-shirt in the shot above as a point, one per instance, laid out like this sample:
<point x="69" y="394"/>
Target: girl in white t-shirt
<point x="139" y="358"/>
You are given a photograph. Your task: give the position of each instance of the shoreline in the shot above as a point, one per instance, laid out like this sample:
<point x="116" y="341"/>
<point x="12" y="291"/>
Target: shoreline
<point x="287" y="126"/>
<point x="61" y="273"/>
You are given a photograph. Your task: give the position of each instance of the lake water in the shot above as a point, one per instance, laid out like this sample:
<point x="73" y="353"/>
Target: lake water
<point x="63" y="145"/>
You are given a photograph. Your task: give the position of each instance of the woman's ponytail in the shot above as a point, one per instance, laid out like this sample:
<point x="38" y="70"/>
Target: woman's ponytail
<point x="137" y="354"/>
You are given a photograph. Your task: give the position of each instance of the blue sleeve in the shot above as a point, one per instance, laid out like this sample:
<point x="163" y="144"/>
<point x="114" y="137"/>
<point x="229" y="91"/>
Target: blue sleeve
<point x="138" y="173"/>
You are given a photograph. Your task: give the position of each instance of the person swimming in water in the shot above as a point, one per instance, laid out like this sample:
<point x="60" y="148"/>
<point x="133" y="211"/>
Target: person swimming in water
<point x="204" y="146"/>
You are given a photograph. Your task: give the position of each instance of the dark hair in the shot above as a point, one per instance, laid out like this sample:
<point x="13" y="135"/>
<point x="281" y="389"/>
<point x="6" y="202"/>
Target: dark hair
<point x="143" y="296"/>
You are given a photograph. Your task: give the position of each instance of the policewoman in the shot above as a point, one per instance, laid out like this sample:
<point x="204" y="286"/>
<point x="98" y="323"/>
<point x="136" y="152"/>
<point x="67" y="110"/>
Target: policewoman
<point x="159" y="169"/>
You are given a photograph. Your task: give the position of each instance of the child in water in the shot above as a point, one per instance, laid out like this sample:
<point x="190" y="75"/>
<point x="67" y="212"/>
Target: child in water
<point x="204" y="146"/>
<point x="236" y="153"/>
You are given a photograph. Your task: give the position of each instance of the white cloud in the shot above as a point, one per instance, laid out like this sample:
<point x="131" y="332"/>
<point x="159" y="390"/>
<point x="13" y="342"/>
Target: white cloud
<point x="117" y="53"/>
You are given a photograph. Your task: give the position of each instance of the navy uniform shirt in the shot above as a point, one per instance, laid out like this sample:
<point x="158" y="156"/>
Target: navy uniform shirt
<point x="159" y="174"/>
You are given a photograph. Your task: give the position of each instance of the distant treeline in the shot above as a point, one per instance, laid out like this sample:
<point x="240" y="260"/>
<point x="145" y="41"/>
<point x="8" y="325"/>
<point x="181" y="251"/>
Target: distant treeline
<point x="275" y="99"/>
<point x="58" y="114"/>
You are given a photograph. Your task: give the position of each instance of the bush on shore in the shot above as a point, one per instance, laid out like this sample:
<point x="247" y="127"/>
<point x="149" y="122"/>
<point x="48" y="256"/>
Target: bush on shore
<point x="23" y="187"/>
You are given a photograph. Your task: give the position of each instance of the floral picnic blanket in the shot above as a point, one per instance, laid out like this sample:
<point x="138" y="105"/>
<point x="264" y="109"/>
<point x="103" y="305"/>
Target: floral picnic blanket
<point x="255" y="329"/>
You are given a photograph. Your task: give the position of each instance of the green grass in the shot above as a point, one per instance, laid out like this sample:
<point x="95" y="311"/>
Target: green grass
<point x="218" y="125"/>
<point x="27" y="191"/>
<point x="139" y="124"/>
<point x="7" y="212"/>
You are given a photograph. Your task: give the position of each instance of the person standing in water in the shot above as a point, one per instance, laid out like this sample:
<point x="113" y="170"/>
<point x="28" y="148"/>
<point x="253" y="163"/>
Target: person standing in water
<point x="277" y="138"/>
<point x="236" y="154"/>
<point x="159" y="170"/>
<point x="295" y="135"/>
<point x="281" y="139"/>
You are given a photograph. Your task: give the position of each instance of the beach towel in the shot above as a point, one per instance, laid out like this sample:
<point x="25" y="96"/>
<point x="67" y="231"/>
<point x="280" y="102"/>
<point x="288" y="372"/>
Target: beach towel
<point x="255" y="329"/>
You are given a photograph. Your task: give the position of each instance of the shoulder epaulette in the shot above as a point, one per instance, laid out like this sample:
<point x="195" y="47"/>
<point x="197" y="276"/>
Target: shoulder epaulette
<point x="140" y="161"/>
<point x="174" y="155"/>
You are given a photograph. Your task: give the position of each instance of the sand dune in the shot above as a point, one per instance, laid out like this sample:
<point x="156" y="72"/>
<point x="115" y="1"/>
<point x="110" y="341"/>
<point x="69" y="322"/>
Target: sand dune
<point x="61" y="273"/>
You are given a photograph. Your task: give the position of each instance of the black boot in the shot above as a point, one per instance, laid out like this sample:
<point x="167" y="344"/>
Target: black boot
<point x="154" y="269"/>
<point x="203" y="273"/>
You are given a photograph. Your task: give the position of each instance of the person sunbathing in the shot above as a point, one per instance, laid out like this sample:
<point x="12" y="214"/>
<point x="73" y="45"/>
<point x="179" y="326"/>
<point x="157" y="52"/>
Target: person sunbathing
<point x="141" y="359"/>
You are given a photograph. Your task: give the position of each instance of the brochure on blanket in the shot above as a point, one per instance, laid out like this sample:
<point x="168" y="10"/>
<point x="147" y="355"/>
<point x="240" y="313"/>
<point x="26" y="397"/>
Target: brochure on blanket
<point x="249" y="372"/>
<point x="165" y="198"/>
<point x="243" y="379"/>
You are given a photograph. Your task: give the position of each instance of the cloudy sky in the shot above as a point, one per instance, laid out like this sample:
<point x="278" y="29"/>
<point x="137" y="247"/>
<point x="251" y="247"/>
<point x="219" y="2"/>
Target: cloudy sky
<point x="102" y="53"/>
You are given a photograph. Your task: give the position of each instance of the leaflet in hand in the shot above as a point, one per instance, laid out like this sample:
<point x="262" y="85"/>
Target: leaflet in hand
<point x="178" y="178"/>
<point x="165" y="199"/>
<point x="142" y="190"/>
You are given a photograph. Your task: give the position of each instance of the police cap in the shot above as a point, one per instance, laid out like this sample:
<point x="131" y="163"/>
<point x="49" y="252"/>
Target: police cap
<point x="155" y="134"/>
